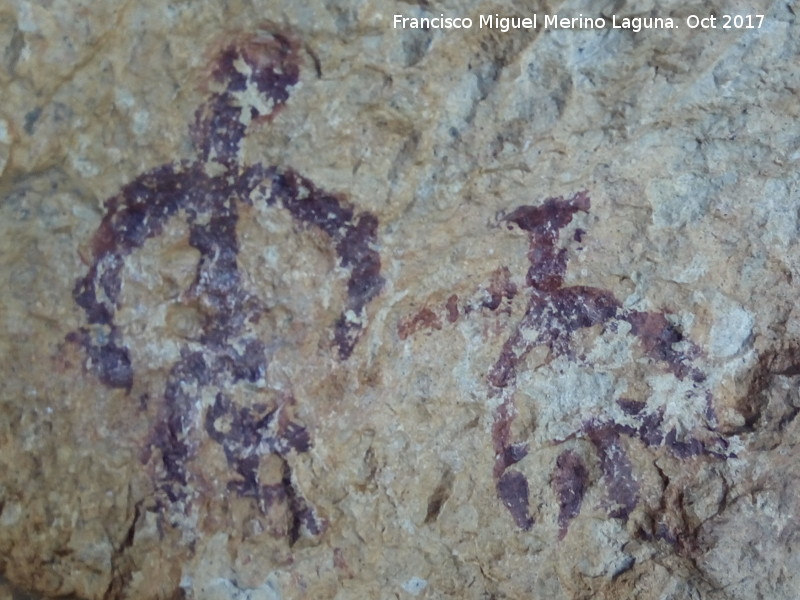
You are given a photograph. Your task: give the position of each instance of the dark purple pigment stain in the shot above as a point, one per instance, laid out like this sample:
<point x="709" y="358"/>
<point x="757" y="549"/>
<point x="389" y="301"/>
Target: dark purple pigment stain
<point x="570" y="480"/>
<point x="512" y="488"/>
<point x="631" y="407"/>
<point x="500" y="287"/>
<point x="225" y="353"/>
<point x="553" y="314"/>
<point x="623" y="491"/>
<point x="452" y="309"/>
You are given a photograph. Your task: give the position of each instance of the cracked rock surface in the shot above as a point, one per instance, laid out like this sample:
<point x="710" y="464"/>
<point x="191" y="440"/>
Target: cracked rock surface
<point x="298" y="305"/>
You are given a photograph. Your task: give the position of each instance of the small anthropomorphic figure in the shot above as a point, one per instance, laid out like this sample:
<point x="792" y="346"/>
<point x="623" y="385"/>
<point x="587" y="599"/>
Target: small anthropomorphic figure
<point x="226" y="358"/>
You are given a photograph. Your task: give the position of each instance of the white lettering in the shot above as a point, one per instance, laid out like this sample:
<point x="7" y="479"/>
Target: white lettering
<point x="506" y="24"/>
<point x="636" y="24"/>
<point x="440" y="22"/>
<point x="579" y="22"/>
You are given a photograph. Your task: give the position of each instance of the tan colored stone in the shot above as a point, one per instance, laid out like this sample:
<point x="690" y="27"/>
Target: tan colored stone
<point x="393" y="466"/>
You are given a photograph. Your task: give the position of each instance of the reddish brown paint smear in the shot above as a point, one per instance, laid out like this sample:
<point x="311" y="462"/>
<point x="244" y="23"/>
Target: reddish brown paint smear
<point x="424" y="319"/>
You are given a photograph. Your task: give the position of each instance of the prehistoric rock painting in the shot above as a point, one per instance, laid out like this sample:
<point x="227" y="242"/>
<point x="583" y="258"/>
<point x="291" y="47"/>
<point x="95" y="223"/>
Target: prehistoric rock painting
<point x="553" y="316"/>
<point x="251" y="81"/>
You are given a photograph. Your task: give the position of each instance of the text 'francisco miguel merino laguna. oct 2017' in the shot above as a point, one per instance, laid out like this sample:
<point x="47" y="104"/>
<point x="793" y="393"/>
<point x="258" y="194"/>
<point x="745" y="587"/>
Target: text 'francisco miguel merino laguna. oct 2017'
<point x="548" y="21"/>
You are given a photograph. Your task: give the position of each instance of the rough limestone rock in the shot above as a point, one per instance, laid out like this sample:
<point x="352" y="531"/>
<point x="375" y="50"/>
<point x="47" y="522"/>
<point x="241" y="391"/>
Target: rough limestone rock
<point x="296" y="304"/>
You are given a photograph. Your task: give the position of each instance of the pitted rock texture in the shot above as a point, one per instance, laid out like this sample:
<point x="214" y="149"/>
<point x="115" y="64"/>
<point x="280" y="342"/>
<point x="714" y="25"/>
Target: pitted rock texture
<point x="297" y="305"/>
